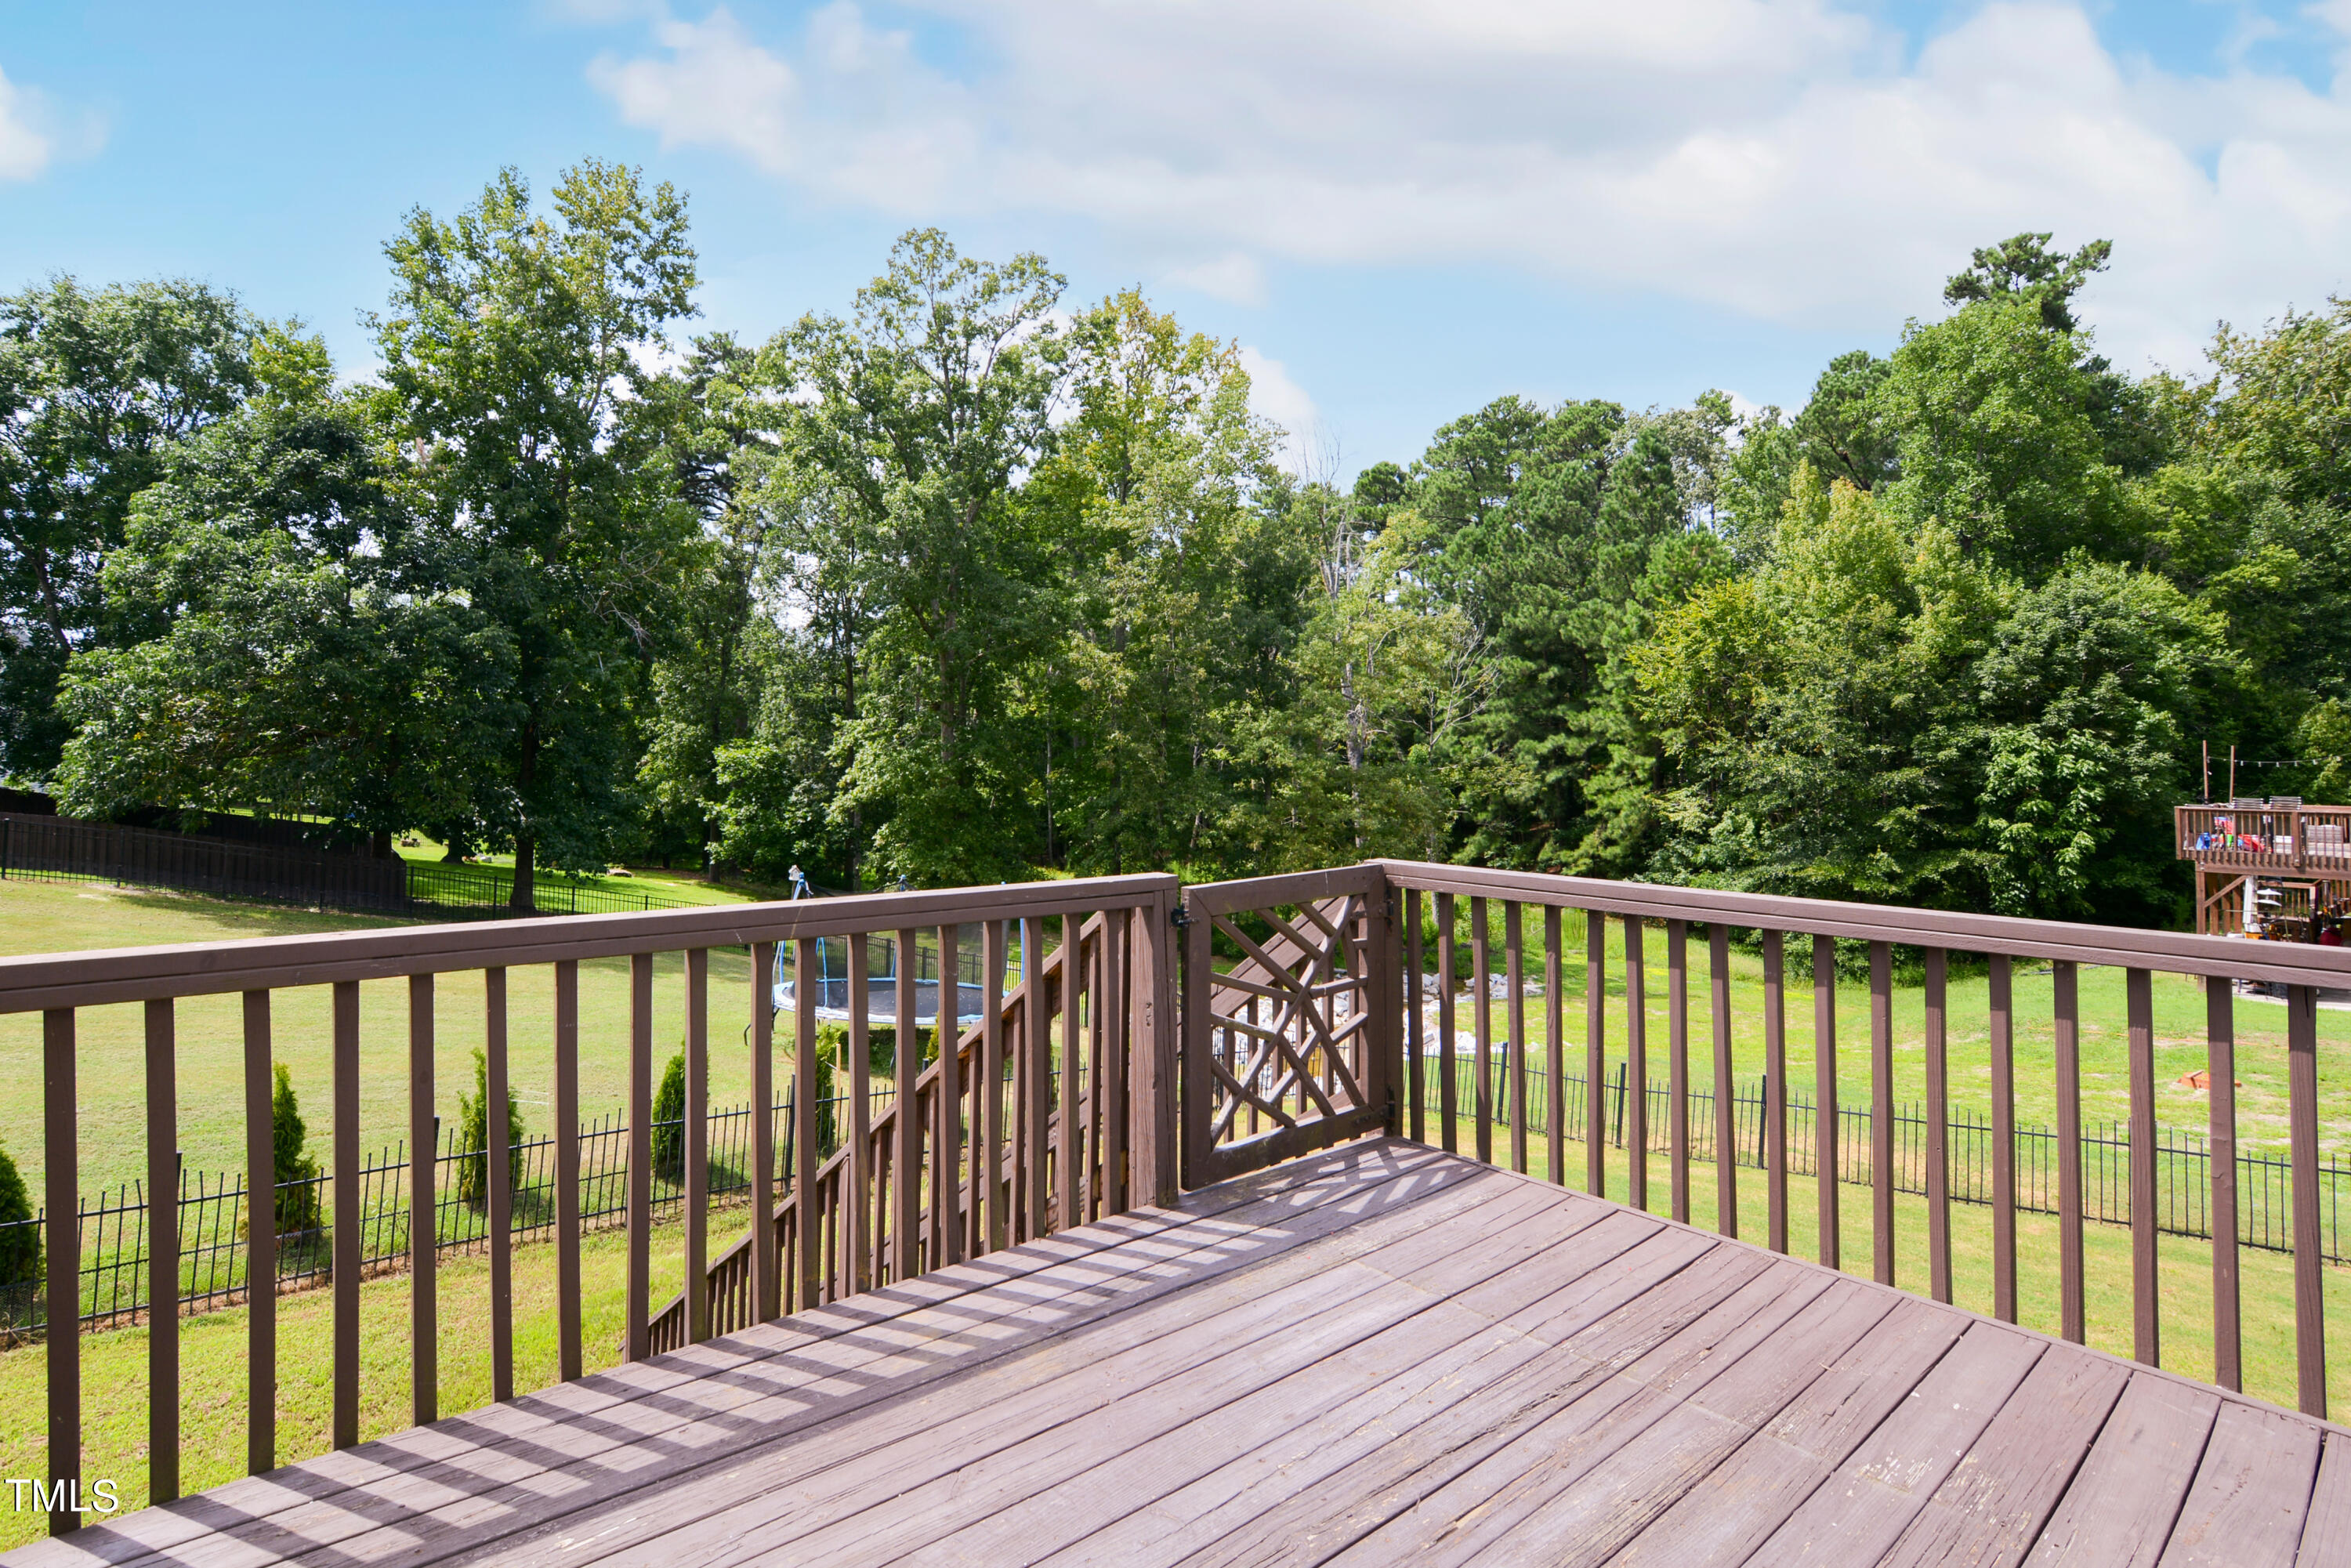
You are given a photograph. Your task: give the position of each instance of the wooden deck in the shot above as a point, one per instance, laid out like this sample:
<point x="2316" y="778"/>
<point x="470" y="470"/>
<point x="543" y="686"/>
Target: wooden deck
<point x="1382" y="1353"/>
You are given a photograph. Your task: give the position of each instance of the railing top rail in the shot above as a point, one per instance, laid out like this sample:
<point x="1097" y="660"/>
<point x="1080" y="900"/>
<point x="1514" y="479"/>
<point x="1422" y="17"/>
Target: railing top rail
<point x="34" y="982"/>
<point x="1265" y="891"/>
<point x="2177" y="952"/>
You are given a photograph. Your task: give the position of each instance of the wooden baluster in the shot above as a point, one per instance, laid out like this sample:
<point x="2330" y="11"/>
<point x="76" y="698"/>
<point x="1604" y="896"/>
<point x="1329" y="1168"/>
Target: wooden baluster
<point x="1881" y="1113"/>
<point x="1595" y="1052"/>
<point x="349" y="1215"/>
<point x="162" y="1254"/>
<point x="2062" y="978"/>
<point x="2302" y="1125"/>
<point x="1416" y="1032"/>
<point x="1938" y="1125"/>
<point x="1070" y="1139"/>
<point x="2147" y="1323"/>
<point x="991" y="1083"/>
<point x="947" y="1156"/>
<point x="1825" y="1097"/>
<point x="1726" y="1108"/>
<point x="2001" y="1029"/>
<point x="697" y="1145"/>
<point x="1775" y="1088"/>
<point x="2220" y="1068"/>
<point x="1514" y="1065"/>
<point x="767" y="1279"/>
<point x="808" y="989"/>
<point x="638" y="1339"/>
<point x="1028" y="1056"/>
<point x="1678" y="1064"/>
<point x="1555" y="1051"/>
<point x="906" y="1185"/>
<point x="1636" y="1068"/>
<point x="864" y="1176"/>
<point x="1482" y="1030"/>
<point x="1158" y="1045"/>
<point x="261" y="1241"/>
<point x="423" y="1209"/>
<point x="498" y="1167"/>
<point x="62" y="1195"/>
<point x="1448" y="1093"/>
<point x="1118" y="932"/>
<point x="570" y="1342"/>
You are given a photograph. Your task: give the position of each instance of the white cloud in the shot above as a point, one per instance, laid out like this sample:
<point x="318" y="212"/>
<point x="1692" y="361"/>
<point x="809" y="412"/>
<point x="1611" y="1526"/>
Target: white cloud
<point x="1274" y="394"/>
<point x="1784" y="159"/>
<point x="1235" y="278"/>
<point x="25" y="151"/>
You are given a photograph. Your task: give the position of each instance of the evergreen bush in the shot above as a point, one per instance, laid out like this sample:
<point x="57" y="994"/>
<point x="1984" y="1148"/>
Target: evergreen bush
<point x="474" y="1137"/>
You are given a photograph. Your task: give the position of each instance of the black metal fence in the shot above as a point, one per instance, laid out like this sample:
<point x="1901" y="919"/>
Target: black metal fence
<point x="436" y="886"/>
<point x="2183" y="1184"/>
<point x="215" y="1213"/>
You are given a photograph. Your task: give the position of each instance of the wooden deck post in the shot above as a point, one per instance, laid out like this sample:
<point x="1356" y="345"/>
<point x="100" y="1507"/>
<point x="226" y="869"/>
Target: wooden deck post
<point x="61" y="1193"/>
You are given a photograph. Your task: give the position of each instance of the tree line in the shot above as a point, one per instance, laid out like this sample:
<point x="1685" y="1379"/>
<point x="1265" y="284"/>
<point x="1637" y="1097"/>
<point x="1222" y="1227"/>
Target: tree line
<point x="974" y="580"/>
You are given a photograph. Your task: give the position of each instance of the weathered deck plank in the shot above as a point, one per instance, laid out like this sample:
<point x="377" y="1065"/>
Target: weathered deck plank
<point x="2123" y="1501"/>
<point x="1380" y="1355"/>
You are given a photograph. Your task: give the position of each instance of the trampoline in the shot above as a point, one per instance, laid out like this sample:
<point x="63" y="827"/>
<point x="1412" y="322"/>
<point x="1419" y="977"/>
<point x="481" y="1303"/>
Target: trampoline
<point x="881" y="962"/>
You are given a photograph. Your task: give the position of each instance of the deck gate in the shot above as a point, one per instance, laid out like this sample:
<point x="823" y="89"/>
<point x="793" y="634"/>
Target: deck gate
<point x="1290" y="1046"/>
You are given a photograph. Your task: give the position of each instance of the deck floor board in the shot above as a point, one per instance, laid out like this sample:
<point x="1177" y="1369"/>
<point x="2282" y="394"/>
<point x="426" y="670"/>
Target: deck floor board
<point x="1379" y="1354"/>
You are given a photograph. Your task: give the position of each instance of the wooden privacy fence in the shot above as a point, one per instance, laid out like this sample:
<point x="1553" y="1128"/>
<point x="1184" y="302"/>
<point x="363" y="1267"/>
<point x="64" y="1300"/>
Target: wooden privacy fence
<point x="62" y="849"/>
<point x="1297" y="1043"/>
<point x="1057" y="1106"/>
<point x="40" y="847"/>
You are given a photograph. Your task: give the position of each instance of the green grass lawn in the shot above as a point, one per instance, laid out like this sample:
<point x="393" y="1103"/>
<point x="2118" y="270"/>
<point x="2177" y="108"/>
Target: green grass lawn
<point x="2180" y="1036"/>
<point x="214" y="1384"/>
<point x="685" y="887"/>
<point x="66" y="916"/>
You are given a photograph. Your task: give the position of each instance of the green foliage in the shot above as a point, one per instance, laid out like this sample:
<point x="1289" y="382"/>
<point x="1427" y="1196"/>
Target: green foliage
<point x="669" y="1121"/>
<point x="20" y="1239"/>
<point x="96" y="386"/>
<point x="2023" y="266"/>
<point x="962" y="584"/>
<point x="296" y="1205"/>
<point x="476" y="1134"/>
<point x="511" y="352"/>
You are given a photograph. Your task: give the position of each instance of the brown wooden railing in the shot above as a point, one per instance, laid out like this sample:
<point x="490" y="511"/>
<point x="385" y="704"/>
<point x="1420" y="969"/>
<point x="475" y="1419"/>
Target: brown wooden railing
<point x="1033" y="1135"/>
<point x="1335" y="936"/>
<point x="1305" y="1022"/>
<point x="1058" y="1107"/>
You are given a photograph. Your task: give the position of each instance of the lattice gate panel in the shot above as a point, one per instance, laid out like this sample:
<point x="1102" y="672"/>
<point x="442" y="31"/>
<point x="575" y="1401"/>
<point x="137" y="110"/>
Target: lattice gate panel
<point x="1287" y="1020"/>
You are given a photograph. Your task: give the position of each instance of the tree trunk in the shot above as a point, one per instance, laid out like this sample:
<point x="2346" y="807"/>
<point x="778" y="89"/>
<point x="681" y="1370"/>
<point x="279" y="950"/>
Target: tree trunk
<point x="526" y="873"/>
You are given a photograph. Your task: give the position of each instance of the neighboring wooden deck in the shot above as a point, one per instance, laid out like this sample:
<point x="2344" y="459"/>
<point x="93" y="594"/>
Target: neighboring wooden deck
<point x="1382" y="1353"/>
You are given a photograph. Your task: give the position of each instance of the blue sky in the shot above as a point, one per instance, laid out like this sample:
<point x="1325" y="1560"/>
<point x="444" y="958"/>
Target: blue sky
<point x="1401" y="209"/>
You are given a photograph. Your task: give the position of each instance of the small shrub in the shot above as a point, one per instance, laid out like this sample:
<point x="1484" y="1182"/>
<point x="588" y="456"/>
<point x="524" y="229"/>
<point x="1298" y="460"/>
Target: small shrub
<point x="669" y="1123"/>
<point x="475" y="1137"/>
<point x="20" y="1239"/>
<point x="296" y="1173"/>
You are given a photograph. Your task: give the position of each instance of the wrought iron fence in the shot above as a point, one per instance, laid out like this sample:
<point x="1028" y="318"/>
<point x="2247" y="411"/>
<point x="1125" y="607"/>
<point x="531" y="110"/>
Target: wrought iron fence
<point x="214" y="1212"/>
<point x="2183" y="1183"/>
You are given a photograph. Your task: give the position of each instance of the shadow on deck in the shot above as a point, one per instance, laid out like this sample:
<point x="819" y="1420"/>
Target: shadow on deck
<point x="1379" y="1353"/>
